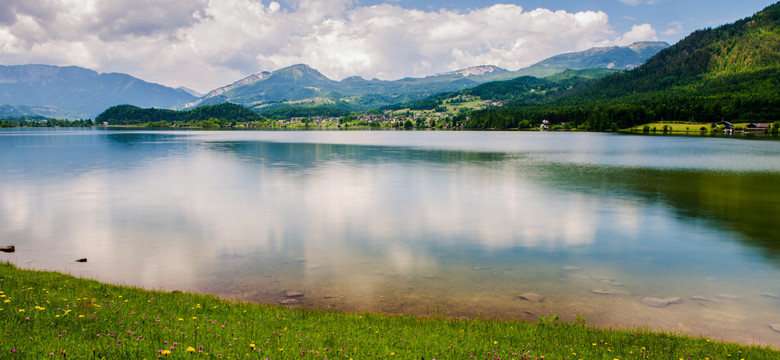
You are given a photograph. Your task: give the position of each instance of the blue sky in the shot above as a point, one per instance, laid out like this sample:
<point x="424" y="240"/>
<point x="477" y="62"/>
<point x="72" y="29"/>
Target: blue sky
<point x="205" y="44"/>
<point x="664" y="15"/>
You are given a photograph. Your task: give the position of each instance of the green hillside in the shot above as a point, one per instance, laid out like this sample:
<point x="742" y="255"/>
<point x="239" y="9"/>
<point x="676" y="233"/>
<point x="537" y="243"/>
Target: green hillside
<point x="727" y="73"/>
<point x="203" y="116"/>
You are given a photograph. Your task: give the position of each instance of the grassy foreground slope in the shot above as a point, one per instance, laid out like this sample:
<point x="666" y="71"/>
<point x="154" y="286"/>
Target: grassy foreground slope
<point x="51" y="315"/>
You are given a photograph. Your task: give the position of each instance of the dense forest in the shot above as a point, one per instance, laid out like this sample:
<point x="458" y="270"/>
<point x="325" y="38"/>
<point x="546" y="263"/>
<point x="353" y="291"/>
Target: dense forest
<point x="40" y="121"/>
<point x="730" y="73"/>
<point x="204" y="116"/>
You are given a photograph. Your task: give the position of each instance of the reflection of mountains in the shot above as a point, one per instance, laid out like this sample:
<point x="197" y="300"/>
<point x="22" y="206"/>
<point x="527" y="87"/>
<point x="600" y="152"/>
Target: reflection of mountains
<point x="309" y="156"/>
<point x="746" y="202"/>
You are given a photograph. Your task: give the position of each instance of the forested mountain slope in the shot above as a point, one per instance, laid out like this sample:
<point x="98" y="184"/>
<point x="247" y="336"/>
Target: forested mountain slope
<point x="727" y="73"/>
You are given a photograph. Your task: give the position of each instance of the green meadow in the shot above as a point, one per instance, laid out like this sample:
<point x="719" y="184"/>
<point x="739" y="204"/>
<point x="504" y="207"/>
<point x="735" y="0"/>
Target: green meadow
<point x="52" y="315"/>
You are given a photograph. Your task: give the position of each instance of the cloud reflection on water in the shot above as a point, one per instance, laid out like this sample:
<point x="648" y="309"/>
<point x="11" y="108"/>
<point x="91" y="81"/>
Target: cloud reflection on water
<point x="252" y="219"/>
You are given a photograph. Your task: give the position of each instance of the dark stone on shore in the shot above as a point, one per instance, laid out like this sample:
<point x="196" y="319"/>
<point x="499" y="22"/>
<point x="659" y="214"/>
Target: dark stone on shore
<point x="532" y="297"/>
<point x="8" y="249"/>
<point x="290" y="302"/>
<point x="775" y="327"/>
<point x="658" y="302"/>
<point x="293" y="294"/>
<point x="82" y="260"/>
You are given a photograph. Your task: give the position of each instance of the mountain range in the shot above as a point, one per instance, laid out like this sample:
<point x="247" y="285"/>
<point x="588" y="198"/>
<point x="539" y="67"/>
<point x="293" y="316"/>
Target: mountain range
<point x="76" y="92"/>
<point x="301" y="82"/>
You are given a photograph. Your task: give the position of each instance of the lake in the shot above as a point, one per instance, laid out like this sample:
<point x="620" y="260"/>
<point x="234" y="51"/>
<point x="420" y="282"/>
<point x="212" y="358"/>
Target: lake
<point x="460" y="224"/>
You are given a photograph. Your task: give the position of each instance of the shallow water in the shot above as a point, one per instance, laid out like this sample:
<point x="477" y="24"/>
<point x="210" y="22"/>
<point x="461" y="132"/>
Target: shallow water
<point x="454" y="223"/>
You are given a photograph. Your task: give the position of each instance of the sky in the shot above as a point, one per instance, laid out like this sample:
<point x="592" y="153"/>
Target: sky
<point x="205" y="44"/>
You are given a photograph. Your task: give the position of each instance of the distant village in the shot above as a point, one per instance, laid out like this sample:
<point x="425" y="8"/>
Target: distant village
<point x="449" y="114"/>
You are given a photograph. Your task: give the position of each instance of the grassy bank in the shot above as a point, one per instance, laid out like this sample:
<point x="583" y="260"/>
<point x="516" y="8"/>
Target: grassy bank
<point x="51" y="315"/>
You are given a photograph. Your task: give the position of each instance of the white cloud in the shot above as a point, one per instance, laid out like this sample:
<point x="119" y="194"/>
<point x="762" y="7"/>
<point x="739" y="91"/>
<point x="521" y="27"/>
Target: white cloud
<point x="205" y="44"/>
<point x="675" y="28"/>
<point x="637" y="2"/>
<point x="644" y="32"/>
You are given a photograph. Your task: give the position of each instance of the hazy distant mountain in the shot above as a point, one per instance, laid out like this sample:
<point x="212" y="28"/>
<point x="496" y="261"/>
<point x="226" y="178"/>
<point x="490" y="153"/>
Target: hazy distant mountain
<point x="301" y="82"/>
<point x="38" y="110"/>
<point x="78" y="92"/>
<point x="615" y="57"/>
<point x="190" y="91"/>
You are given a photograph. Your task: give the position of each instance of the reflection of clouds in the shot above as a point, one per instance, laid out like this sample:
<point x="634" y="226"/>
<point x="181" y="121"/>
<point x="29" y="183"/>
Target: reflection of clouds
<point x="628" y="217"/>
<point x="15" y="209"/>
<point x="362" y="222"/>
<point x="170" y="218"/>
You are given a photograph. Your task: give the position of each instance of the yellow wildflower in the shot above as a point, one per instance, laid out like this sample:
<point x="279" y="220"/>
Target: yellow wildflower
<point x="191" y="349"/>
<point x="166" y="352"/>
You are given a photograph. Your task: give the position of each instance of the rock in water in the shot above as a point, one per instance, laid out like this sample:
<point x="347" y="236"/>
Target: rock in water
<point x="775" y="327"/>
<point x="82" y="260"/>
<point x="293" y="294"/>
<point x="603" y="291"/>
<point x="609" y="292"/>
<point x="8" y="249"/>
<point x="532" y="297"/>
<point x="702" y="298"/>
<point x="657" y="302"/>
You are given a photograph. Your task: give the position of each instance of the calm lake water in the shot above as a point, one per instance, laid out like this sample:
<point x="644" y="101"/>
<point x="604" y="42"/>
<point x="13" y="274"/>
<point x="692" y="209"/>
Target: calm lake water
<point x="455" y="223"/>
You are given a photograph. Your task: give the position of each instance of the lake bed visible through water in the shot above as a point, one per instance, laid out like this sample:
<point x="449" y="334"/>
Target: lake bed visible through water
<point x="467" y="224"/>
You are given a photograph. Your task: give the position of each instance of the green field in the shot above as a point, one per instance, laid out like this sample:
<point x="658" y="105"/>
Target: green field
<point x="51" y="315"/>
<point x="680" y="127"/>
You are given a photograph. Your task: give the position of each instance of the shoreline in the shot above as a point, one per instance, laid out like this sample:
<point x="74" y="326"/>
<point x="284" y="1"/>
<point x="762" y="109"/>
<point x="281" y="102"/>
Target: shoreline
<point x="103" y="320"/>
<point x="616" y="312"/>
